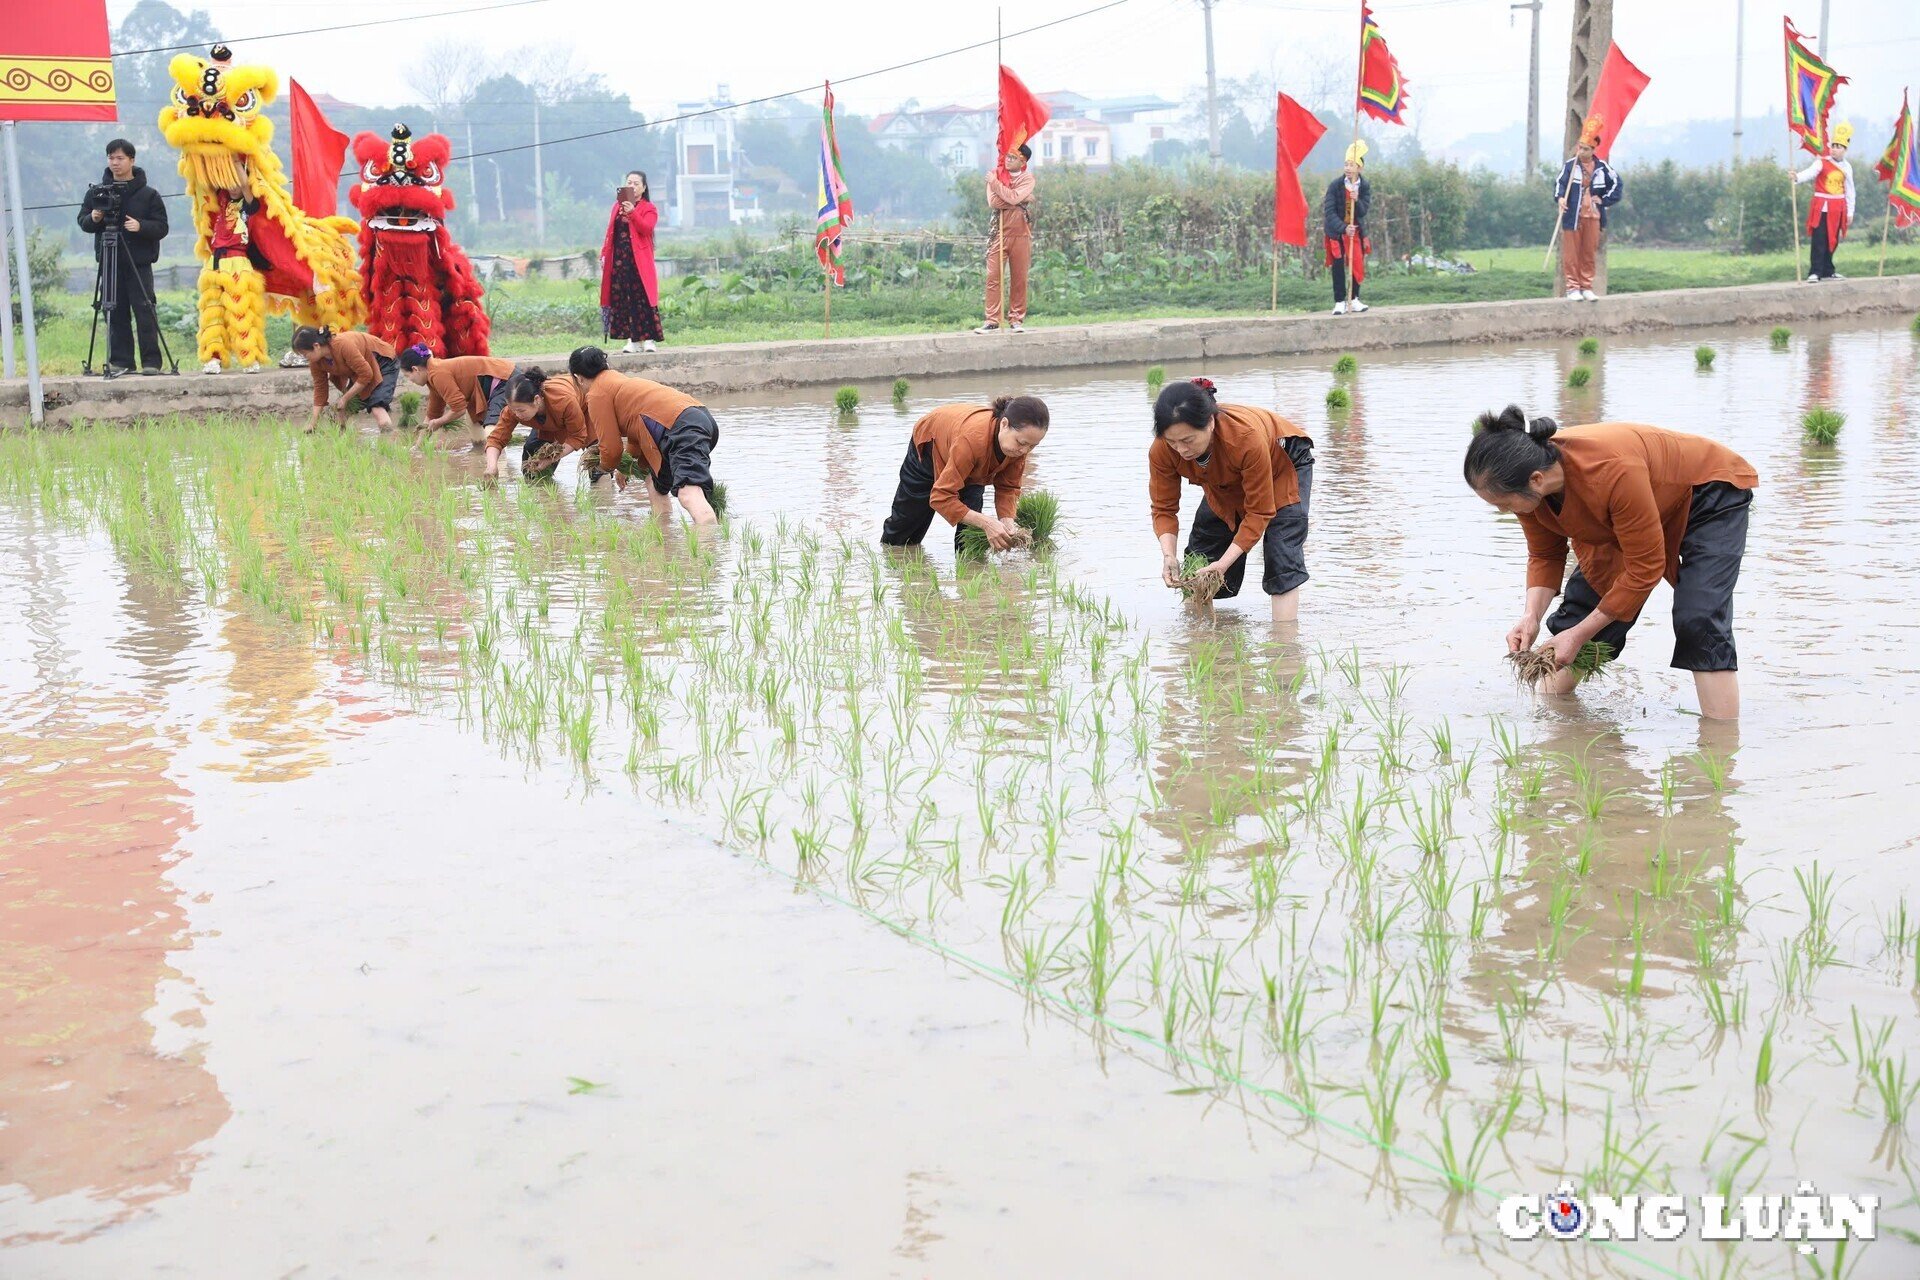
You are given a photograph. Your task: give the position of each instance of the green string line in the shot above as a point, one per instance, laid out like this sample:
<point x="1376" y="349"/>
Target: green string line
<point x="1006" y="978"/>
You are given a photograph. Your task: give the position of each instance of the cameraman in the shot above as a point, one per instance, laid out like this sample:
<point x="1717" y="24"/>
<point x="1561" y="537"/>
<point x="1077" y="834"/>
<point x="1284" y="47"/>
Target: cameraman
<point x="124" y="202"/>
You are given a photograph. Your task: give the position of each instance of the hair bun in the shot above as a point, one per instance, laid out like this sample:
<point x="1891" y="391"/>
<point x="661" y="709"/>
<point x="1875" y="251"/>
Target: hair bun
<point x="419" y="349"/>
<point x="1542" y="429"/>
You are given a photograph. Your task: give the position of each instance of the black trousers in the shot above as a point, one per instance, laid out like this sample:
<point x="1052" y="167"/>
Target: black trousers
<point x="1822" y="249"/>
<point x="1710" y="554"/>
<point x="1283" y="546"/>
<point x="136" y="304"/>
<point x="912" y="513"/>
<point x="1338" y="270"/>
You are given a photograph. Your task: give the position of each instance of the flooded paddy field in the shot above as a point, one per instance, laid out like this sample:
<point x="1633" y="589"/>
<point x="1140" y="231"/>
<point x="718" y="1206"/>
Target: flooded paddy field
<point x="409" y="877"/>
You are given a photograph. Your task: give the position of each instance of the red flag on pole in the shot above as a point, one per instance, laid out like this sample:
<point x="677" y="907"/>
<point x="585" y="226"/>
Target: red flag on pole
<point x="1296" y="130"/>
<point x="1021" y="115"/>
<point x="56" y="62"/>
<point x="1621" y="84"/>
<point x="318" y="149"/>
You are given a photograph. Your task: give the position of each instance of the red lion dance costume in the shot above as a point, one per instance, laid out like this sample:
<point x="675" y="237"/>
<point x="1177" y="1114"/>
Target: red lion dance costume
<point x="419" y="286"/>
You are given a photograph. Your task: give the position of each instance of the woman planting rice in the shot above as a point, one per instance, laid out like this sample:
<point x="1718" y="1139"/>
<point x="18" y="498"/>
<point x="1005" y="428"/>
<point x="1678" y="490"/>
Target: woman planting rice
<point x="474" y="387"/>
<point x="670" y="432"/>
<point x="555" y="419"/>
<point x="1636" y="503"/>
<point x="360" y="365"/>
<point x="954" y="454"/>
<point x="1256" y="470"/>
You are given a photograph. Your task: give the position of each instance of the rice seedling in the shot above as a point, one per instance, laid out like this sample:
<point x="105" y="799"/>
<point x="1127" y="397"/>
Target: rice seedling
<point x="1156" y="378"/>
<point x="1195" y="584"/>
<point x="900" y="389"/>
<point x="409" y="402"/>
<point x="1579" y="376"/>
<point x="1727" y="1008"/>
<point x="1461" y="1168"/>
<point x="1531" y="666"/>
<point x="1338" y="398"/>
<point x="1822" y="426"/>
<point x="1346" y="364"/>
<point x="846" y="400"/>
<point x="1588" y="346"/>
<point x="1703" y="358"/>
<point x="1895" y="1090"/>
<point x="1780" y="337"/>
<point x="1763" y="1061"/>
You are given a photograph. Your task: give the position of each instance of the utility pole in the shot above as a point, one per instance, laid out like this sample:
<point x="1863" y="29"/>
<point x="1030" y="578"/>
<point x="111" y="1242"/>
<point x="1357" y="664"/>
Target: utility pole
<point x="1824" y="57"/>
<point x="1213" y="102"/>
<point x="1587" y="53"/>
<point x="1533" y="90"/>
<point x="539" y="181"/>
<point x="1739" y="68"/>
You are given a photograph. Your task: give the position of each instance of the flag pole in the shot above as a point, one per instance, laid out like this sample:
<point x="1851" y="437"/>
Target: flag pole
<point x="1886" y="225"/>
<point x="1000" y="284"/>
<point x="826" y="280"/>
<point x="1793" y="207"/>
<point x="1350" y="239"/>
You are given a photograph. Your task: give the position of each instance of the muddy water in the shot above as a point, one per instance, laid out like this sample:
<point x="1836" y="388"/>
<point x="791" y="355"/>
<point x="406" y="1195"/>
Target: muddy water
<point x="303" y="968"/>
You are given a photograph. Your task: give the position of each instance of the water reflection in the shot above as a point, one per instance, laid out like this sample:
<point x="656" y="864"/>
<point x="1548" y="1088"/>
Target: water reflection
<point x="90" y="821"/>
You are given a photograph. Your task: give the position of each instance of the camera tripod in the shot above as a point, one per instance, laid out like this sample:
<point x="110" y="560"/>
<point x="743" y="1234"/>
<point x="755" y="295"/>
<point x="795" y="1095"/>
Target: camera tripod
<point x="106" y="297"/>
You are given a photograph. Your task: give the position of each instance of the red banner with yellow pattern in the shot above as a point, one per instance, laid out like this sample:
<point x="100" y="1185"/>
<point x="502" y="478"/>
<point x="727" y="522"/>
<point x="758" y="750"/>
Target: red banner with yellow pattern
<point x="56" y="62"/>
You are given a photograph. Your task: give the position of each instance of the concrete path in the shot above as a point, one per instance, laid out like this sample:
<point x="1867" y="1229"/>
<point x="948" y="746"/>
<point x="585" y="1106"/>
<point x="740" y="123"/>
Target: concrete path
<point x="747" y="366"/>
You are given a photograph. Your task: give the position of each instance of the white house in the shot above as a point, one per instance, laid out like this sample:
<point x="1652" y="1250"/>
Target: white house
<point x="705" y="192"/>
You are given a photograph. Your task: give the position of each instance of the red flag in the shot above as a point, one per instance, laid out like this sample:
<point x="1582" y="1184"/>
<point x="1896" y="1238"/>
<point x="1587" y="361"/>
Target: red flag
<point x="1621" y="84"/>
<point x="1383" y="93"/>
<point x="1296" y="130"/>
<point x="1021" y="115"/>
<point x="56" y="63"/>
<point x="318" y="149"/>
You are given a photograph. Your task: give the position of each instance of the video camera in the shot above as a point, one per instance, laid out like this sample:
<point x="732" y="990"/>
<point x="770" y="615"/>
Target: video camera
<point x="109" y="198"/>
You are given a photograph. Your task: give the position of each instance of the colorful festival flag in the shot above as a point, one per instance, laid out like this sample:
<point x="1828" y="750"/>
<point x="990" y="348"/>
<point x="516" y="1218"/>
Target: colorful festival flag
<point x="1811" y="85"/>
<point x="318" y="149"/>
<point x="1296" y="130"/>
<point x="1900" y="169"/>
<point x="1620" y="86"/>
<point x="1022" y="115"/>
<point x="56" y="62"/>
<point x="1383" y="94"/>
<point x="835" y="208"/>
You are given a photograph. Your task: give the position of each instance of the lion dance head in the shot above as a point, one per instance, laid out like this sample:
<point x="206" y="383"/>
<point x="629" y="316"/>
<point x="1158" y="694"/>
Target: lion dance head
<point x="419" y="286"/>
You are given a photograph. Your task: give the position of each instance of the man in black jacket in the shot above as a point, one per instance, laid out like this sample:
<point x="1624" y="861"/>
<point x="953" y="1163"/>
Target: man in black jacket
<point x="123" y="203"/>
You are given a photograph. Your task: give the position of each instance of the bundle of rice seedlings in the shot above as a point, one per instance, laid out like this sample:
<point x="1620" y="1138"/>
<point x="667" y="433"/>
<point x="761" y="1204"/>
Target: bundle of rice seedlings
<point x="900" y="388"/>
<point x="1346" y="364"/>
<point x="1703" y="357"/>
<point x="1822" y="426"/>
<point x="1779" y="337"/>
<point x="1197" y="586"/>
<point x="1531" y="666"/>
<point x="1038" y="515"/>
<point x="1588" y="346"/>
<point x="846" y="399"/>
<point x="1337" y="398"/>
<point x="717" y="498"/>
<point x="1916" y="324"/>
<point x="630" y="466"/>
<point x="1156" y="378"/>
<point x="409" y="402"/>
<point x="1579" y="376"/>
<point x="544" y="459"/>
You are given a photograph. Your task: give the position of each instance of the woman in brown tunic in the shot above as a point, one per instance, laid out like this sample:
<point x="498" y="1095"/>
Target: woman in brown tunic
<point x="1256" y="470"/>
<point x="955" y="453"/>
<point x="471" y="386"/>
<point x="670" y="432"/>
<point x="550" y="409"/>
<point x="361" y="366"/>
<point x="1636" y="504"/>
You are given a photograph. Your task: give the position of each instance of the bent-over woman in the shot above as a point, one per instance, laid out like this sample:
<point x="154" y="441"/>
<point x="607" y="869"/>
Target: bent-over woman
<point x="1256" y="470"/>
<point x="954" y="454"/>
<point x="551" y="411"/>
<point x="361" y="366"/>
<point x="1636" y="504"/>
<point x="474" y="387"/>
<point x="670" y="432"/>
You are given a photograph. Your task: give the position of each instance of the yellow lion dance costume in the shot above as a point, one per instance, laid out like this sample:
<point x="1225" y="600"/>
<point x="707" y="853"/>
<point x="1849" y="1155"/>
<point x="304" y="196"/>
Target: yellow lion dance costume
<point x="259" y="251"/>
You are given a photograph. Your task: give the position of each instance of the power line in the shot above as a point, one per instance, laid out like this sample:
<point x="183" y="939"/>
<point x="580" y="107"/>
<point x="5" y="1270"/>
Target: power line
<point x="689" y="115"/>
<point x="320" y="31"/>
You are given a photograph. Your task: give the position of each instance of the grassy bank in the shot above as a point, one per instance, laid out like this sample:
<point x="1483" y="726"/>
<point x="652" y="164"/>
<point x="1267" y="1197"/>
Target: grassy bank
<point x="780" y="299"/>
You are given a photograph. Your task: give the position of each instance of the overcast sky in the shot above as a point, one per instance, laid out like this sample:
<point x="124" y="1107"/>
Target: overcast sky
<point x="1466" y="60"/>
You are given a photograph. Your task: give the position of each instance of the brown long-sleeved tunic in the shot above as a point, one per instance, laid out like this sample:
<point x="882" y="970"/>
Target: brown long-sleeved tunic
<point x="1246" y="476"/>
<point x="453" y="383"/>
<point x="1624" y="508"/>
<point x="633" y="413"/>
<point x="966" y="450"/>
<point x="564" y="419"/>
<point x="352" y="365"/>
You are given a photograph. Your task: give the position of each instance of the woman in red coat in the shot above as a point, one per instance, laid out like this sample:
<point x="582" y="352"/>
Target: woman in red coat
<point x="629" y="290"/>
